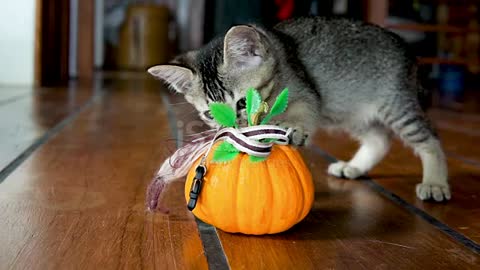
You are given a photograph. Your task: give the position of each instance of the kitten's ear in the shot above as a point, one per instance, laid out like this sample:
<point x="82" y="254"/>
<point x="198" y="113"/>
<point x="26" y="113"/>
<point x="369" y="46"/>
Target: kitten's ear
<point x="179" y="78"/>
<point x="243" y="47"/>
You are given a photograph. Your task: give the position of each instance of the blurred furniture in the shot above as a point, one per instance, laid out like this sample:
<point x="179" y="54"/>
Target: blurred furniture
<point x="376" y="11"/>
<point x="144" y="37"/>
<point x="455" y="24"/>
<point x="85" y="39"/>
<point x="51" y="42"/>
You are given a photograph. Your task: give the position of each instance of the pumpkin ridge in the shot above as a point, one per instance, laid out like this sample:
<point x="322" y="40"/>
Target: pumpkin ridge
<point x="271" y="194"/>
<point x="240" y="203"/>
<point x="255" y="220"/>
<point x="229" y="217"/>
<point x="288" y="153"/>
<point x="207" y="210"/>
<point x="203" y="210"/>
<point x="274" y="216"/>
<point x="286" y="201"/>
<point x="299" y="162"/>
<point x="235" y="193"/>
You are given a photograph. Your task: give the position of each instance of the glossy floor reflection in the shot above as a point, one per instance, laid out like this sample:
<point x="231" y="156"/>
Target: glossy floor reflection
<point x="76" y="199"/>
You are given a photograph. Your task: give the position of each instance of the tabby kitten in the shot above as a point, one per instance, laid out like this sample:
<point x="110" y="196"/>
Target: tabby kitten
<point x="342" y="74"/>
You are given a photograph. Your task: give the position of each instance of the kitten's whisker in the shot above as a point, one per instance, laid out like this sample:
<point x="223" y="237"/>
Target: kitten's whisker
<point x="189" y="113"/>
<point x="178" y="103"/>
<point x="193" y="111"/>
<point x="176" y="140"/>
<point x="202" y="132"/>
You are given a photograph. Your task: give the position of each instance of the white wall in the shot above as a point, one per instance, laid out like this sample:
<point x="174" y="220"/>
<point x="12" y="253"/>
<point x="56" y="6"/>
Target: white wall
<point x="17" y="42"/>
<point x="99" y="41"/>
<point x="73" y="39"/>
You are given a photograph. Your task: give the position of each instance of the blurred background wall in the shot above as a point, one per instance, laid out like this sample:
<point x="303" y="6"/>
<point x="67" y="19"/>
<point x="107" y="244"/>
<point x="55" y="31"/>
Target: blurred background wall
<point x="17" y="42"/>
<point x="51" y="42"/>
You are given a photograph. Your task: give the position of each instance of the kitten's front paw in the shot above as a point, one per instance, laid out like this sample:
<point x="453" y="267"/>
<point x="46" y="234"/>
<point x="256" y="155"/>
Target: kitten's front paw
<point x="299" y="136"/>
<point x="438" y="193"/>
<point x="341" y="169"/>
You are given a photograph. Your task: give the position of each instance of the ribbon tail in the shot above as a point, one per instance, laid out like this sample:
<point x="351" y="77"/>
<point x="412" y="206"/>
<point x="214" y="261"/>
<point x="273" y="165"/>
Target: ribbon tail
<point x="174" y="167"/>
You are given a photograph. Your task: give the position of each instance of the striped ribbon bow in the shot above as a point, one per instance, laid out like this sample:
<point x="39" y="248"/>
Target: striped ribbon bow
<point x="247" y="139"/>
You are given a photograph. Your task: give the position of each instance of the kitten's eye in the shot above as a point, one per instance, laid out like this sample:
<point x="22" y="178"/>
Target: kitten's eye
<point x="208" y="114"/>
<point x="241" y="104"/>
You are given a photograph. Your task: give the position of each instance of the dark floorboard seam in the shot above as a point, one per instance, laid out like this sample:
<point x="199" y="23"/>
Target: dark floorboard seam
<point x="5" y="172"/>
<point x="212" y="246"/>
<point x="467" y="242"/>
<point x="463" y="159"/>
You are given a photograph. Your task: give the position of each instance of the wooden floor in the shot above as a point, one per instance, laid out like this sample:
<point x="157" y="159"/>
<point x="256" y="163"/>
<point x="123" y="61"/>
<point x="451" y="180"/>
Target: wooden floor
<point x="75" y="163"/>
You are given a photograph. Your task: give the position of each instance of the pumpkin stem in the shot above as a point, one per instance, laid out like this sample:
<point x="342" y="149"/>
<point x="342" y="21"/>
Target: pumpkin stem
<point x="263" y="109"/>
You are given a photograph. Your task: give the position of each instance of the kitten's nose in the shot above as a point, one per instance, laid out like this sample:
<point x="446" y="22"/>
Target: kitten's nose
<point x="241" y="104"/>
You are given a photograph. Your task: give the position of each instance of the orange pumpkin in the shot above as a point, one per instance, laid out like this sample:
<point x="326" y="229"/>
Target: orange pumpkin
<point x="255" y="197"/>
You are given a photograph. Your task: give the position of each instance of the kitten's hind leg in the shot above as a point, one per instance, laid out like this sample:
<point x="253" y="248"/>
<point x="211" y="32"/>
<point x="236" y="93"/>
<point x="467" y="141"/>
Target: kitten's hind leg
<point x="410" y="124"/>
<point x="375" y="142"/>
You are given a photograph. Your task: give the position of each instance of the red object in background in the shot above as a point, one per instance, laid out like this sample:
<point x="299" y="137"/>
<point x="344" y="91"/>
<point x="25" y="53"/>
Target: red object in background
<point x="285" y="9"/>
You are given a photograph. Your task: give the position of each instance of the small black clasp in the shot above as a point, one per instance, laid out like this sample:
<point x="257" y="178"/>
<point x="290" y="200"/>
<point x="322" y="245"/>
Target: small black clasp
<point x="196" y="186"/>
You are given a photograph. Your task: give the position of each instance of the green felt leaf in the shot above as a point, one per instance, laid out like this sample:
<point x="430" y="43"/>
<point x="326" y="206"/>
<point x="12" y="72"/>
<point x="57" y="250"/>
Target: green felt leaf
<point x="278" y="107"/>
<point x="226" y="147"/>
<point x="257" y="159"/>
<point x="219" y="157"/>
<point x="281" y="103"/>
<point x="223" y="114"/>
<point x="253" y="101"/>
<point x="225" y="152"/>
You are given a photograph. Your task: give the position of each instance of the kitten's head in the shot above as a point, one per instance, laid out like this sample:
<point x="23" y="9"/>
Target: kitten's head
<point x="222" y="71"/>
